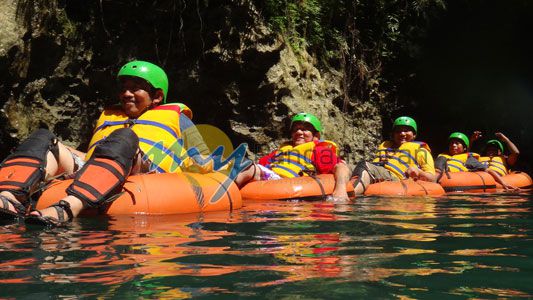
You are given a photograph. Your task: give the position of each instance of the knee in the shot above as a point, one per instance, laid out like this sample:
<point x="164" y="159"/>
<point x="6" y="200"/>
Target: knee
<point x="37" y="145"/>
<point x="120" y="146"/>
<point x="246" y="175"/>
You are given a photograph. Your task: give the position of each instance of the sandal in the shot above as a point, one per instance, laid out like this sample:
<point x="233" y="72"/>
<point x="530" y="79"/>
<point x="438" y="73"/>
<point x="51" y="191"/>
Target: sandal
<point x="48" y="221"/>
<point x="21" y="175"/>
<point x="7" y="215"/>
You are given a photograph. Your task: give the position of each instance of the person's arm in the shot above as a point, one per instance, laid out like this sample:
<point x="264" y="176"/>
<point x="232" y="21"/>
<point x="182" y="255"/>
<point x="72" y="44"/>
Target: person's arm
<point x="441" y="165"/>
<point x="425" y="160"/>
<point x="427" y="176"/>
<point x="500" y="180"/>
<point x="416" y="173"/>
<point x="476" y="135"/>
<point x="191" y="136"/>
<point x="513" y="156"/>
<point x="342" y="175"/>
<point x="198" y="160"/>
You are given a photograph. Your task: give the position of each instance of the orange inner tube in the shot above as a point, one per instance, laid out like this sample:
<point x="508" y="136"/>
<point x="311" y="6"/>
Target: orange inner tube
<point x="407" y="187"/>
<point x="292" y="188"/>
<point x="472" y="182"/>
<point x="517" y="179"/>
<point x="160" y="194"/>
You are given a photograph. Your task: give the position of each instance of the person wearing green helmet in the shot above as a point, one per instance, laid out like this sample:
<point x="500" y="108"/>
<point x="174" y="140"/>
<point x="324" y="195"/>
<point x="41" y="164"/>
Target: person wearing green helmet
<point x="145" y="76"/>
<point x="459" y="159"/>
<point x="493" y="154"/>
<point x="141" y="134"/>
<point x="303" y="155"/>
<point x="153" y="77"/>
<point x="399" y="158"/>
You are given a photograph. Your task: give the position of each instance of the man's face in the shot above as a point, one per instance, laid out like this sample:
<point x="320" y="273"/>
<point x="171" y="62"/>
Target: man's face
<point x="303" y="132"/>
<point x="135" y="96"/>
<point x="456" y="147"/>
<point x="402" y="134"/>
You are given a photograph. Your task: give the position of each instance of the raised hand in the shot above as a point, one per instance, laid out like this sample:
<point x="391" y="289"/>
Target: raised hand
<point x="475" y="136"/>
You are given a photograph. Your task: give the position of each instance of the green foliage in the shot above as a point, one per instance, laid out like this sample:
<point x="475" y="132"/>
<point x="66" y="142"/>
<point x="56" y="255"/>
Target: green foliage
<point x="322" y="25"/>
<point x="300" y="22"/>
<point x="364" y="38"/>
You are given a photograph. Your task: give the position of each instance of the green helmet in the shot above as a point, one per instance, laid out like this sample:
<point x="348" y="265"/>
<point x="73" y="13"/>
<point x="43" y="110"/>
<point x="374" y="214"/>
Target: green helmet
<point x="153" y="74"/>
<point x="405" y="121"/>
<point x="460" y="136"/>
<point x="309" y="118"/>
<point x="496" y="143"/>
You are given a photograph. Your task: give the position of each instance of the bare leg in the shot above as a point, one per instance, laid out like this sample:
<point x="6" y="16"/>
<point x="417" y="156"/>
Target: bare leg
<point x="65" y="164"/>
<point x="342" y="176"/>
<point x="253" y="173"/>
<point x="362" y="183"/>
<point x="102" y="177"/>
<point x="77" y="205"/>
<point x="139" y="166"/>
<point x="53" y="168"/>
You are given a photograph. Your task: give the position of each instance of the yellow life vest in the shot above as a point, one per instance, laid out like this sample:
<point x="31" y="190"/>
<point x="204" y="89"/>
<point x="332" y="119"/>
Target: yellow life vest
<point x="496" y="163"/>
<point x="456" y="163"/>
<point x="159" y="135"/>
<point x="293" y="161"/>
<point x="398" y="160"/>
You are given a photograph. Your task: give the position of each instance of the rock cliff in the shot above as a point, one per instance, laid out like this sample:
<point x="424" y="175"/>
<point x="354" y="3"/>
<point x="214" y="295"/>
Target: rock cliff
<point x="58" y="60"/>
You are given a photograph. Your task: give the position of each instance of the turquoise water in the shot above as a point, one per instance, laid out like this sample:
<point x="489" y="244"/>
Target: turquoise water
<point x="449" y="247"/>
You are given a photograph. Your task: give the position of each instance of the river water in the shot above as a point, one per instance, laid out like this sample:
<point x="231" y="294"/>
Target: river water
<point x="457" y="246"/>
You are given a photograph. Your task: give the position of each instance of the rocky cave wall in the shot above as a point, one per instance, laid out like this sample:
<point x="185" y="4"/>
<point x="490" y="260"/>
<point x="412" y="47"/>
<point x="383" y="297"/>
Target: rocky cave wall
<point x="58" y="60"/>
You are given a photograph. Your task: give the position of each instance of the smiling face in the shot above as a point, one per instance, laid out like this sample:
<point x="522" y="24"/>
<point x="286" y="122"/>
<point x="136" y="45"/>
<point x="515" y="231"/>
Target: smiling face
<point x="402" y="134"/>
<point x="456" y="147"/>
<point x="303" y="132"/>
<point x="136" y="96"/>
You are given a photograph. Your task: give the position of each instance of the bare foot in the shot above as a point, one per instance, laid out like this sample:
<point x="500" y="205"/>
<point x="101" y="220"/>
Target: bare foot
<point x="10" y="203"/>
<point x="76" y="206"/>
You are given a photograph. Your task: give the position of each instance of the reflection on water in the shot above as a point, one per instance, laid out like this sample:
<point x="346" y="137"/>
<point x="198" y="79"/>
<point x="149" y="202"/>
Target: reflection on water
<point x="472" y="246"/>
